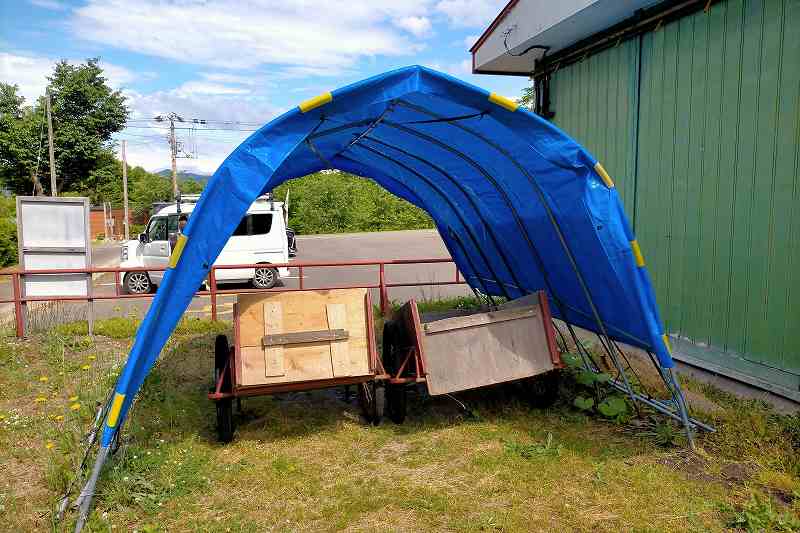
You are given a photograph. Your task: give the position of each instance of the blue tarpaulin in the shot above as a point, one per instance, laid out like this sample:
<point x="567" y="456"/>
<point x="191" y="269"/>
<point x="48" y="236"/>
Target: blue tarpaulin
<point x="520" y="206"/>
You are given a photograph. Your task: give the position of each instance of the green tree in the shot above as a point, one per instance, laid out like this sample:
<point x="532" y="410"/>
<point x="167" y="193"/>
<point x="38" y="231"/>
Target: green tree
<point x="528" y="97"/>
<point x="8" y="231"/>
<point x="85" y="112"/>
<point x="337" y="202"/>
<point x="21" y="142"/>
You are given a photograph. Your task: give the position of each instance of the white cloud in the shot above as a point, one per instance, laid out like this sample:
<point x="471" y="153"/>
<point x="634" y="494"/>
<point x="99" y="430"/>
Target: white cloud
<point x="248" y="33"/>
<point x="203" y="87"/>
<point x="460" y="69"/>
<point x="224" y="77"/>
<point x="470" y="13"/>
<point x="30" y="73"/>
<point x="147" y="144"/>
<point x="418" y="26"/>
<point x="49" y="4"/>
<point x="469" y="40"/>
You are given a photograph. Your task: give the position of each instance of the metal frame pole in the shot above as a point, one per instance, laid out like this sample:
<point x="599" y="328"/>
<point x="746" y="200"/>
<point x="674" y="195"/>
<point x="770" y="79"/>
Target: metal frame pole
<point x="18" y="311"/>
<point x="212" y="283"/>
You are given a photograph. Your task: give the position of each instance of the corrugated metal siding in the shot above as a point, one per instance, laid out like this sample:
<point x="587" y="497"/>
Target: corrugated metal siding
<point x="595" y="102"/>
<point x="717" y="173"/>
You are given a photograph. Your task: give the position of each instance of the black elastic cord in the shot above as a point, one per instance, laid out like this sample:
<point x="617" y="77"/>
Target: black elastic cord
<point x="448" y="119"/>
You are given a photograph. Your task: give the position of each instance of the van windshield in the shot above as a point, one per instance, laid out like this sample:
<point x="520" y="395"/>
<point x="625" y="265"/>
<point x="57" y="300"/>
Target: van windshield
<point x="157" y="230"/>
<point x="255" y="224"/>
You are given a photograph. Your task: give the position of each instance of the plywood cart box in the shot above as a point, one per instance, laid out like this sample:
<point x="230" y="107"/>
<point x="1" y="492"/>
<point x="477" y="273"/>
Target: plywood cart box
<point x="470" y="350"/>
<point x="297" y="340"/>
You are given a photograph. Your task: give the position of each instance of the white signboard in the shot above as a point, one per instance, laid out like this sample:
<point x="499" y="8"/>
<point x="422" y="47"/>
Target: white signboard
<point x="53" y="233"/>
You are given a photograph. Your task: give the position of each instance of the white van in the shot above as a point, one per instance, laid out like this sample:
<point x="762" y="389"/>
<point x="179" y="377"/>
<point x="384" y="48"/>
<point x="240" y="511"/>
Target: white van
<point x="260" y="238"/>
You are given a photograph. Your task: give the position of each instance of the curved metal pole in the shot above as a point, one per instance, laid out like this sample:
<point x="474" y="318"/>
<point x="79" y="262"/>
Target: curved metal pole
<point x="537" y="257"/>
<point x="464" y="251"/>
<point x="455" y="237"/>
<point x="464" y="191"/>
<point x="452" y="206"/>
<point x="467" y="194"/>
<point x="551" y="216"/>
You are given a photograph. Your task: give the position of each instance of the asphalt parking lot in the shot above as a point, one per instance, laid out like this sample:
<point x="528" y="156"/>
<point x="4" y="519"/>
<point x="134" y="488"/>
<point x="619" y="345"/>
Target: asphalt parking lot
<point x="415" y="244"/>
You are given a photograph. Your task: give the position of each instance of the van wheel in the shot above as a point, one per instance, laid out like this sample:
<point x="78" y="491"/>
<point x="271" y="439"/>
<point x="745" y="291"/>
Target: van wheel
<point x="137" y="283"/>
<point x="265" y="278"/>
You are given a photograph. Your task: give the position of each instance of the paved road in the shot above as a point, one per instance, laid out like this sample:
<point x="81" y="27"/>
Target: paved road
<point x="359" y="246"/>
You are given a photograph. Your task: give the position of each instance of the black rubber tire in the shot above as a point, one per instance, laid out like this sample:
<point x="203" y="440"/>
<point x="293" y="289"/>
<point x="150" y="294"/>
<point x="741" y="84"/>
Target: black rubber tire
<point x="225" y="423"/>
<point x="393" y="349"/>
<point x="267" y="281"/>
<point x="221" y="355"/>
<point x="542" y="391"/>
<point x="372" y="400"/>
<point x="137" y="283"/>
<point x="396" y="401"/>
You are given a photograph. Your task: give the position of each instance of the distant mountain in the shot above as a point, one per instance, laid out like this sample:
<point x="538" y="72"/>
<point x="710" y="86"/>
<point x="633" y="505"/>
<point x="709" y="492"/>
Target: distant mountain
<point x="183" y="175"/>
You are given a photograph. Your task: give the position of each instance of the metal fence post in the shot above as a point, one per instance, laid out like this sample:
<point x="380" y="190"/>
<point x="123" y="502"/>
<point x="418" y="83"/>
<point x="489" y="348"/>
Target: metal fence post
<point x="384" y="294"/>
<point x="15" y="281"/>
<point x="300" y="275"/>
<point x="212" y="282"/>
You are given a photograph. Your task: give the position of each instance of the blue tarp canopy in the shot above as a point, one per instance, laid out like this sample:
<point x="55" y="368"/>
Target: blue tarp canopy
<point x="520" y="206"/>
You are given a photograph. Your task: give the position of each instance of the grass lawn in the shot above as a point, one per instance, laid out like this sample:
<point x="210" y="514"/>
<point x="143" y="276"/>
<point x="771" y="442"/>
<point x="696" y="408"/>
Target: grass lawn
<point x="307" y="462"/>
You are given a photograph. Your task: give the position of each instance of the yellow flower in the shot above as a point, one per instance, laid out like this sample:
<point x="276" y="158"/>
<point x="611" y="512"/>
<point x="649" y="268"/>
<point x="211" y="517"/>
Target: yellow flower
<point x="59" y="418"/>
<point x="75" y="406"/>
<point x="44" y="379"/>
<point x="41" y="399"/>
<point x="86" y="367"/>
<point x="2" y="417"/>
<point x="50" y="445"/>
<point x="73" y="398"/>
<point x="91" y="358"/>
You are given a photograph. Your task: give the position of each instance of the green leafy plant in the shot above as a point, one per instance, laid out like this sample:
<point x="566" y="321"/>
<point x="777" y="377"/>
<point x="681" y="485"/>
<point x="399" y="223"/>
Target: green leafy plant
<point x="548" y="448"/>
<point x="594" y="393"/>
<point x="583" y="403"/>
<point x="758" y="514"/>
<point x="613" y="407"/>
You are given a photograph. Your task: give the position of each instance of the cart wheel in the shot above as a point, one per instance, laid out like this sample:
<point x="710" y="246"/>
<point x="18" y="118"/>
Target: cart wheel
<point x="396" y="395"/>
<point x="221" y="356"/>
<point x="225" y="425"/>
<point x="542" y="390"/>
<point x="372" y="399"/>
<point x="225" y="421"/>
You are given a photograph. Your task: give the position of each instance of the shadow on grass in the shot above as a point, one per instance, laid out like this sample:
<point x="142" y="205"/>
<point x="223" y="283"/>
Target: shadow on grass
<point x="173" y="403"/>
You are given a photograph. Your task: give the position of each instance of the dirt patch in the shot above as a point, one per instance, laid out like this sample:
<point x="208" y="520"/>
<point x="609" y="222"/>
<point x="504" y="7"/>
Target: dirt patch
<point x="690" y="464"/>
<point x="736" y="473"/>
<point x="700" y="403"/>
<point x="26" y="479"/>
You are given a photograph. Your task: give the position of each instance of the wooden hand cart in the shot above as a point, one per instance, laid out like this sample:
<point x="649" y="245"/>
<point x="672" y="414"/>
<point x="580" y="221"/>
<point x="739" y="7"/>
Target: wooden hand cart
<point x="467" y="350"/>
<point x="306" y="340"/>
<point x="298" y="341"/>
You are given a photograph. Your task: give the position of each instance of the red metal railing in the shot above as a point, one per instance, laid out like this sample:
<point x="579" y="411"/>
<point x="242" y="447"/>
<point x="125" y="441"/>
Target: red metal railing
<point x="382" y="285"/>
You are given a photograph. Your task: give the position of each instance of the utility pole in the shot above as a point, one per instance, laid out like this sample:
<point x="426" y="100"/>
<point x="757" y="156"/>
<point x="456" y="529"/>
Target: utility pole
<point x="173" y="150"/>
<point x="125" y="192"/>
<point x="174" y="147"/>
<point x="53" y="190"/>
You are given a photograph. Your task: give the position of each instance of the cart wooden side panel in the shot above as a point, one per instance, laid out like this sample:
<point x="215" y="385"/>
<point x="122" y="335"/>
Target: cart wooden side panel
<point x="481" y="349"/>
<point x="302" y="336"/>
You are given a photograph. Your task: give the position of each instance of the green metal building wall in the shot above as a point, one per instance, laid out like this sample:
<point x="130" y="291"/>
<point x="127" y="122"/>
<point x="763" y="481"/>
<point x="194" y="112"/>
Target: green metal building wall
<point x="699" y="124"/>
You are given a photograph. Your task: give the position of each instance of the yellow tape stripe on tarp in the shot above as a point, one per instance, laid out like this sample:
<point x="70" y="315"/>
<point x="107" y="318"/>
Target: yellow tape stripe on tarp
<point x="116" y="407"/>
<point x="176" y="253"/>
<point x="313" y="103"/>
<point x="666" y="343"/>
<point x="637" y="253"/>
<point x="604" y="175"/>
<point x="503" y="101"/>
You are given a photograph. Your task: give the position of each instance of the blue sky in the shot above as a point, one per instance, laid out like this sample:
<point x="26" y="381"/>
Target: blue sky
<point x="242" y="61"/>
